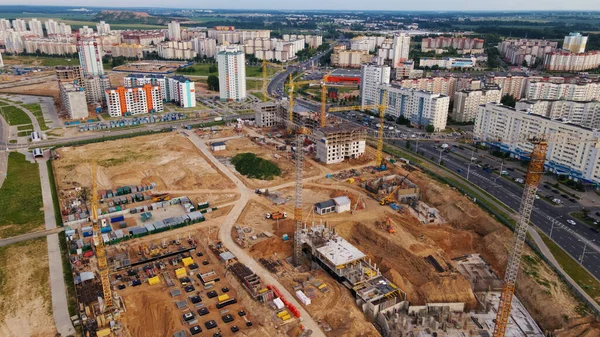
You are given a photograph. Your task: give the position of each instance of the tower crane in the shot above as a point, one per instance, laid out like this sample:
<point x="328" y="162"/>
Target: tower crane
<point x="100" y="251"/>
<point x="264" y="75"/>
<point x="291" y="85"/>
<point x="380" y="132"/>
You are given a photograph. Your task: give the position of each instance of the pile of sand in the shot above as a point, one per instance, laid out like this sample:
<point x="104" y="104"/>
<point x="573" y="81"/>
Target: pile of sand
<point x="150" y="313"/>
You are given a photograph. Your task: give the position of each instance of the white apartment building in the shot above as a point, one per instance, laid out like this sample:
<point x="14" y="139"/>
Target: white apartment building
<point x="204" y="47"/>
<point x="174" y="31"/>
<point x="90" y="58"/>
<point x="401" y="48"/>
<point x="73" y="99"/>
<point x="586" y="114"/>
<point x="232" y="74"/>
<point x="467" y="102"/>
<point x="35" y="27"/>
<point x="515" y="51"/>
<point x="511" y="84"/>
<point x="368" y="43"/>
<point x="19" y="25"/>
<point x="1" y="61"/>
<point x="371" y="78"/>
<point x="64" y="29"/>
<point x="13" y="41"/>
<point x="50" y="46"/>
<point x="233" y="36"/>
<point x="579" y="160"/>
<point x="420" y="107"/>
<point x="86" y="31"/>
<point x="463" y="45"/>
<point x="536" y="90"/>
<point x="182" y="91"/>
<point x="448" y="62"/>
<point x="143" y="37"/>
<point x="444" y="85"/>
<point x="5" y="25"/>
<point x="349" y="58"/>
<point x="127" y="50"/>
<point x="95" y="87"/>
<point x="102" y="28"/>
<point x="568" y="61"/>
<point x="575" y="43"/>
<point x="178" y="50"/>
<point x="123" y="101"/>
<point x="335" y="144"/>
<point x="51" y="27"/>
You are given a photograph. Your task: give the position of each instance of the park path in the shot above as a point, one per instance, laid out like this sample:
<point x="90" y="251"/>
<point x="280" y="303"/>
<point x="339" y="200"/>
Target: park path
<point x="34" y="121"/>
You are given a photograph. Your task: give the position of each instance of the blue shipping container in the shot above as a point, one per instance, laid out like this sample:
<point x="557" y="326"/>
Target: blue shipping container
<point x="117" y="218"/>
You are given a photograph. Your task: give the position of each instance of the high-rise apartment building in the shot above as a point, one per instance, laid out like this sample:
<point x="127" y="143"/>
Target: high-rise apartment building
<point x="4" y="25"/>
<point x="422" y="108"/>
<point x="72" y="96"/>
<point x="511" y="83"/>
<point x="182" y="91"/>
<point x="586" y="114"/>
<point x="51" y="27"/>
<point x="174" y="31"/>
<point x="515" y="51"/>
<point x="568" y="61"/>
<point x="400" y="47"/>
<point x="575" y="43"/>
<point x="137" y="80"/>
<point x="205" y="47"/>
<point x="579" y="160"/>
<point x="90" y="58"/>
<point x="86" y="31"/>
<point x="69" y="74"/>
<point x="35" y="27"/>
<point x="122" y="101"/>
<point x="95" y="86"/>
<point x="103" y="27"/>
<point x="467" y="102"/>
<point x="462" y="45"/>
<point x="371" y="78"/>
<point x="232" y="74"/>
<point x="64" y="29"/>
<point x="335" y="144"/>
<point x="545" y="90"/>
<point x="19" y="25"/>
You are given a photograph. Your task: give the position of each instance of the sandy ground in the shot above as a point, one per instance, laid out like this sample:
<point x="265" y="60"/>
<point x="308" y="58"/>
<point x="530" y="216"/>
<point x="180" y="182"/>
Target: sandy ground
<point x="400" y="256"/>
<point x="266" y="151"/>
<point x="48" y="88"/>
<point x="25" y="300"/>
<point x="169" y="160"/>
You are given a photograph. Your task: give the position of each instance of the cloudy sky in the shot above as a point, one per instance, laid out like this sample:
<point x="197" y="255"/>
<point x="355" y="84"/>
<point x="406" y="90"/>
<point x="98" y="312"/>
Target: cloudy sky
<point x="429" y="5"/>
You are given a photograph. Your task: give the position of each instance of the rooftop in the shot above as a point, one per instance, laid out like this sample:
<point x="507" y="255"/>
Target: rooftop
<point x="340" y="128"/>
<point x="338" y="251"/>
<point x="325" y="204"/>
<point x="346" y="72"/>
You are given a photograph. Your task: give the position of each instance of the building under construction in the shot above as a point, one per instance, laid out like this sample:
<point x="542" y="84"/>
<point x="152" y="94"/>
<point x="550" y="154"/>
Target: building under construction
<point x="267" y="114"/>
<point x="406" y="190"/>
<point x="336" y="144"/>
<point x="349" y="266"/>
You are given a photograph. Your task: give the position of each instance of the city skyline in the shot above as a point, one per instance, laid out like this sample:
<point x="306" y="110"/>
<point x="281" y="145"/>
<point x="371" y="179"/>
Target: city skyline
<point x="349" y="5"/>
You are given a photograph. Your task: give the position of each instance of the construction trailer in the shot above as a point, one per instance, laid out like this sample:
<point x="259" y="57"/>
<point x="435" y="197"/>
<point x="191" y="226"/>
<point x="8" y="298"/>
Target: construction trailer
<point x="349" y="266"/>
<point x="338" y="205"/>
<point x="336" y="144"/>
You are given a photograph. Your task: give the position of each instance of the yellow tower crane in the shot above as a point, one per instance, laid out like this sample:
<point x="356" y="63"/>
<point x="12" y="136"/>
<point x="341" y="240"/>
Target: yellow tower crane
<point x="264" y="76"/>
<point x="381" y="108"/>
<point x="323" y="83"/>
<point x="100" y="251"/>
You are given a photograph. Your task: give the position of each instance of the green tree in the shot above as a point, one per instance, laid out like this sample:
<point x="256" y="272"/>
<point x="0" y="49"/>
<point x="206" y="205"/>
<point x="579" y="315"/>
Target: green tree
<point x="403" y="120"/>
<point x="213" y="83"/>
<point x="508" y="100"/>
<point x="430" y="128"/>
<point x="408" y="145"/>
<point x="524" y="64"/>
<point x="212" y="69"/>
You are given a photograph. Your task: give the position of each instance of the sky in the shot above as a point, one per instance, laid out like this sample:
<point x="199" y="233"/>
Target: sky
<point x="425" y="5"/>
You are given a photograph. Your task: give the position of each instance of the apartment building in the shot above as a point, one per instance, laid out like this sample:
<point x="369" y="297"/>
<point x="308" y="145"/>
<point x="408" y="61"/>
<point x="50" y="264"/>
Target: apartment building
<point x="368" y="43"/>
<point x="462" y="45"/>
<point x="86" y="31"/>
<point x="138" y="80"/>
<point x="205" y="47"/>
<point x="233" y="36"/>
<point x="371" y="78"/>
<point x="5" y="25"/>
<point x="176" y="50"/>
<point x="448" y="62"/>
<point x="336" y="144"/>
<point x="547" y="90"/>
<point x="349" y="58"/>
<point x="444" y="85"/>
<point x="568" y="61"/>
<point x="174" y="31"/>
<point x="69" y="74"/>
<point x="143" y="37"/>
<point x="401" y="48"/>
<point x="95" y="86"/>
<point x="35" y="27"/>
<point x="90" y="58"/>
<point x="232" y="74"/>
<point x="188" y="34"/>
<point x="422" y="108"/>
<point x="102" y="28"/>
<point x="267" y="114"/>
<point x="127" y="50"/>
<point x="73" y="100"/>
<point x="467" y="102"/>
<point x="313" y="41"/>
<point x="515" y="51"/>
<point x="19" y="25"/>
<point x="513" y="84"/>
<point x="575" y="43"/>
<point x="586" y="114"/>
<point x="49" y="46"/>
<point x="13" y="41"/>
<point x="578" y="160"/>
<point x="182" y="91"/>
<point x="122" y="101"/>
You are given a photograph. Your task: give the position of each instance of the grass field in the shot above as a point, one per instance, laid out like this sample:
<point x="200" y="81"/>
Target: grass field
<point x="203" y="69"/>
<point x="42" y="61"/>
<point x="36" y="109"/>
<point x="571" y="267"/>
<point x="253" y="84"/>
<point x="14" y="116"/>
<point x="20" y="197"/>
<point x="27" y="127"/>
<point x="259" y="95"/>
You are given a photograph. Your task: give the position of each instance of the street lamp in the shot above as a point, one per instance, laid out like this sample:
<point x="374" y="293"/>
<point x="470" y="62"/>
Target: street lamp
<point x="553" y="223"/>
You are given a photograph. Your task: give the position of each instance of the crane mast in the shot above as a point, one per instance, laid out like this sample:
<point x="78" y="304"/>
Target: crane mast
<point x="535" y="171"/>
<point x="100" y="250"/>
<point x="298" y="195"/>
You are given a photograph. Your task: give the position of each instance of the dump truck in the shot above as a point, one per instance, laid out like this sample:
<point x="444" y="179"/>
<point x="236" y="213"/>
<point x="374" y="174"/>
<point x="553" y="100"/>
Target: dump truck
<point x="276" y="215"/>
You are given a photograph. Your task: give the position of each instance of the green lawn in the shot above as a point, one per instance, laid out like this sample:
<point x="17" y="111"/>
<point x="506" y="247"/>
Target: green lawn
<point x="14" y="116"/>
<point x="20" y="198"/>
<point x="579" y="216"/>
<point x="36" y="109"/>
<point x="259" y="95"/>
<point x="27" y="127"/>
<point x="24" y="133"/>
<point x="253" y="84"/>
<point x="571" y="267"/>
<point x="203" y="69"/>
<point x="43" y="61"/>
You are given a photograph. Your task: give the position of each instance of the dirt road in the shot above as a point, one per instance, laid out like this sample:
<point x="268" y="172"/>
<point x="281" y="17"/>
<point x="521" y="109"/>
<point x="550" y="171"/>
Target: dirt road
<point x="225" y="236"/>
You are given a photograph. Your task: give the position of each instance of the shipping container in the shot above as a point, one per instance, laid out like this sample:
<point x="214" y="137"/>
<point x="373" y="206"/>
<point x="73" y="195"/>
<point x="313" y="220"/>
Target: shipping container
<point x="117" y="218"/>
<point x="223" y="297"/>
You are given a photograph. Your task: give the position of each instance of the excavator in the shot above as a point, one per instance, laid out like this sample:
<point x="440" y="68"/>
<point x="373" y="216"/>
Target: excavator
<point x="161" y="197"/>
<point x="389" y="227"/>
<point x="390" y="197"/>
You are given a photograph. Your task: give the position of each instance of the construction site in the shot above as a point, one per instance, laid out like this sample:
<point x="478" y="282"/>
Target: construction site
<point x="366" y="245"/>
